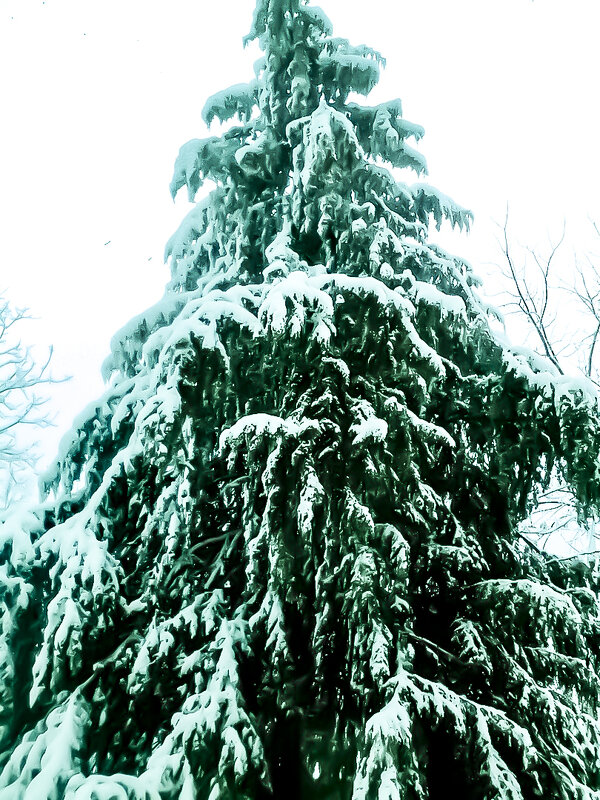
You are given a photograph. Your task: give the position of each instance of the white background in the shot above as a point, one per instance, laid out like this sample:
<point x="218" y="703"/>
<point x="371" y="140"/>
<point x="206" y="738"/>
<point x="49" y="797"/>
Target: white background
<point x="97" y="96"/>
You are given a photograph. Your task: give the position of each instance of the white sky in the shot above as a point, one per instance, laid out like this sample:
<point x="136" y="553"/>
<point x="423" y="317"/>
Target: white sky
<point x="98" y="95"/>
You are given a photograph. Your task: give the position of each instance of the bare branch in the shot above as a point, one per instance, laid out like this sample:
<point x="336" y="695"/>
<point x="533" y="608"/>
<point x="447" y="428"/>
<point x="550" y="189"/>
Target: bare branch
<point x="21" y="406"/>
<point x="527" y="301"/>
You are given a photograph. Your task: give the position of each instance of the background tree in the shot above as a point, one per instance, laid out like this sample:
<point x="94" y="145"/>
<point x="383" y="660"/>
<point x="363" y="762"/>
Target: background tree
<point x="280" y="557"/>
<point x="21" y="376"/>
<point x="536" y="292"/>
<point x="556" y="304"/>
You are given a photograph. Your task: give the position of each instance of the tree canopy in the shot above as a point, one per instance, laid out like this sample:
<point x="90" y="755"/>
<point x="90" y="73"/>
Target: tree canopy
<point x="279" y="557"/>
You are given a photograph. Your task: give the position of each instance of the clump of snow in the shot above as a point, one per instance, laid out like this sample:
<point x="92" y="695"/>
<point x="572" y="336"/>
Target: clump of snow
<point x="285" y="306"/>
<point x="368" y="426"/>
<point x="449" y="305"/>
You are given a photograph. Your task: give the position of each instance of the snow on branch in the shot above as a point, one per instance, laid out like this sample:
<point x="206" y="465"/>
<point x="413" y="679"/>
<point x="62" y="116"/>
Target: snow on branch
<point x="238" y="100"/>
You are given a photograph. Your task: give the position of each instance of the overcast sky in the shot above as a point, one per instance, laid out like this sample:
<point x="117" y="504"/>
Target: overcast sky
<point x="97" y="97"/>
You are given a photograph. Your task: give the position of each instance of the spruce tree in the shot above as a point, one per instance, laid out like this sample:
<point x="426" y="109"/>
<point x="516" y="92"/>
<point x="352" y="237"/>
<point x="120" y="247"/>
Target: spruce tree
<point x="280" y="557"/>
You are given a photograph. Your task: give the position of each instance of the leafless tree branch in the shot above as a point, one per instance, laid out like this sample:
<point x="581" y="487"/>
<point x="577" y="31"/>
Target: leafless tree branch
<point x="21" y="404"/>
<point x="526" y="299"/>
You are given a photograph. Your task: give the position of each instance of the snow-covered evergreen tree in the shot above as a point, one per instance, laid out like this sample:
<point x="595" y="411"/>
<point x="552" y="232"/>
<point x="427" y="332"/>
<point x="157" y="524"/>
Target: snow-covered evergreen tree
<point x="279" y="557"/>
